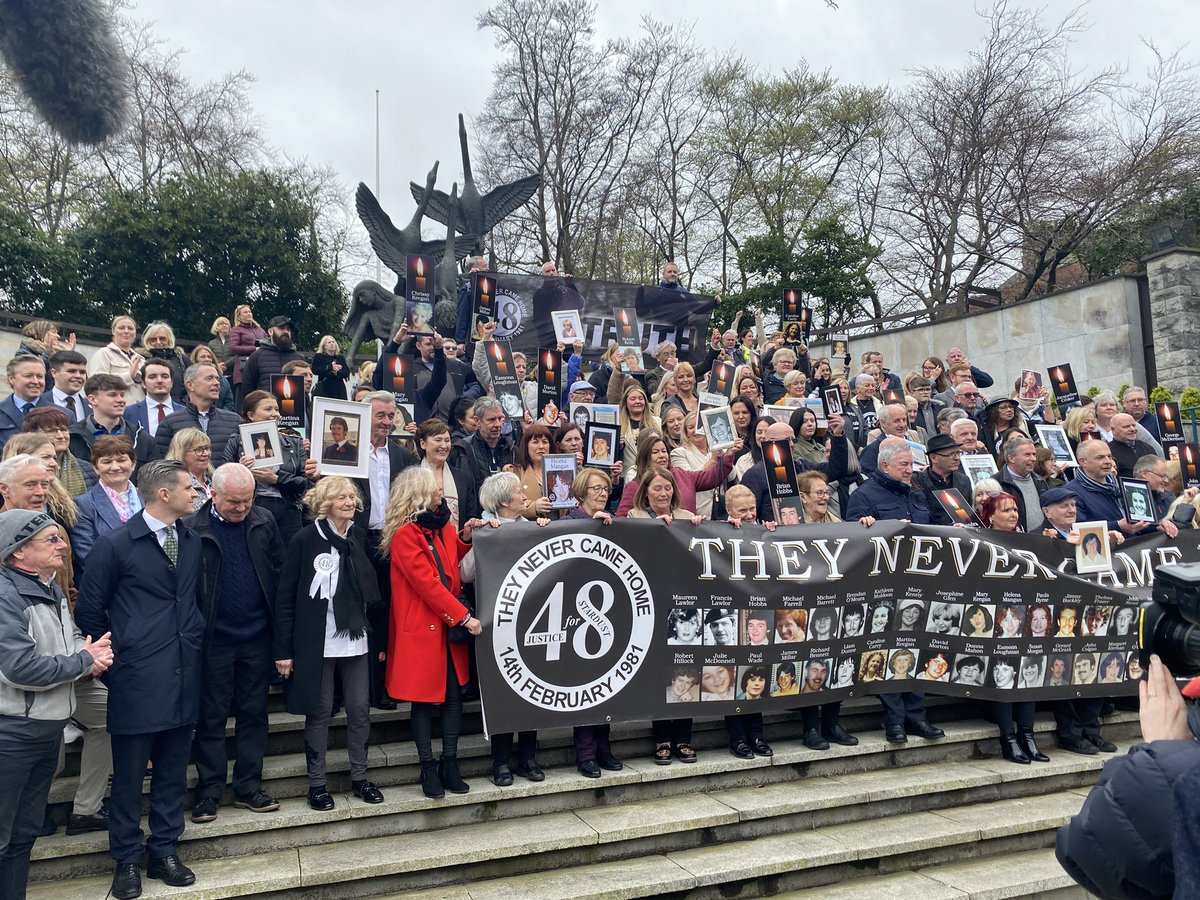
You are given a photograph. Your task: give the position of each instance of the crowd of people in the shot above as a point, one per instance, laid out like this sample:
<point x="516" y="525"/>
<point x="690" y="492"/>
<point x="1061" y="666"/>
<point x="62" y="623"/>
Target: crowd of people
<point x="141" y="542"/>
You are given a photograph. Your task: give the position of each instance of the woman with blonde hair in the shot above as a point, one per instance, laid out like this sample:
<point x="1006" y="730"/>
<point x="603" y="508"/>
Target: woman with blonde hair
<point x="326" y="588"/>
<point x="158" y="342"/>
<point x="219" y="345"/>
<point x="59" y="502"/>
<point x="666" y="390"/>
<point x="192" y="447"/>
<point x="41" y="339"/>
<point x="243" y="340"/>
<point x="685" y="382"/>
<point x="120" y="359"/>
<point x="1081" y="421"/>
<point x="633" y="413"/>
<point x="424" y="664"/>
<point x="330" y="369"/>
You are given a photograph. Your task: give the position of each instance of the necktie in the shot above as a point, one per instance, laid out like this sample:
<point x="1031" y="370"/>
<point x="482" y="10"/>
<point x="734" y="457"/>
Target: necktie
<point x="162" y="412"/>
<point x="72" y="408"/>
<point x="171" y="544"/>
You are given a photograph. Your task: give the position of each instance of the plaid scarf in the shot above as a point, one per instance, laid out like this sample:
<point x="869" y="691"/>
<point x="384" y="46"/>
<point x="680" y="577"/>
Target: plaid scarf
<point x="70" y="475"/>
<point x="1107" y="486"/>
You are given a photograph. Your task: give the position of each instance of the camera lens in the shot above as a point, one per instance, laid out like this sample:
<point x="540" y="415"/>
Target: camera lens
<point x="1164" y="631"/>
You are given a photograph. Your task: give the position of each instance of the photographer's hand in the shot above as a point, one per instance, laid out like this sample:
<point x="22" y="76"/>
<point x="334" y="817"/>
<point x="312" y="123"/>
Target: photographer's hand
<point x="1162" y="712"/>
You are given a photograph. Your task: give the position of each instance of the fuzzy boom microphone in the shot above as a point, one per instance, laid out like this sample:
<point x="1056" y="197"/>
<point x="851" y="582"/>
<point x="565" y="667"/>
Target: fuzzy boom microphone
<point x="69" y="64"/>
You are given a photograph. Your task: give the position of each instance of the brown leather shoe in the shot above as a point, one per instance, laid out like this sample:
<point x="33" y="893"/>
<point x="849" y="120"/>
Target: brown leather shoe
<point x="83" y="824"/>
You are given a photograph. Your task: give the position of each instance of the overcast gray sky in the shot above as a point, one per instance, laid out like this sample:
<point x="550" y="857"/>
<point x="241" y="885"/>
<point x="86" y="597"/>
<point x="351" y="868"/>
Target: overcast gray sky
<point x="318" y="63"/>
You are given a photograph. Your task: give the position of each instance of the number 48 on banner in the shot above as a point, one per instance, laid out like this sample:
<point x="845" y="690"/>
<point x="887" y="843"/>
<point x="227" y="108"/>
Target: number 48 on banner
<point x="590" y="618"/>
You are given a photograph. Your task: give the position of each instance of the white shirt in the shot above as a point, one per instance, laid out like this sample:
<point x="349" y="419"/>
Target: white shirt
<point x="381" y="486"/>
<point x="159" y="528"/>
<point x="73" y="403"/>
<point x="337" y="645"/>
<point x="152" y="413"/>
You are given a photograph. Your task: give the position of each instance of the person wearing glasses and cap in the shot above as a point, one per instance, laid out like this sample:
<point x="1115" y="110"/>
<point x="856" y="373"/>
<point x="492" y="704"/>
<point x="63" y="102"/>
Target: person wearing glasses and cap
<point x="42" y="654"/>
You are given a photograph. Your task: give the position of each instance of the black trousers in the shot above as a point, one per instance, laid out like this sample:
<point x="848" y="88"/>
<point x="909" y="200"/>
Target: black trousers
<point x="237" y="680"/>
<point x="379" y="618"/>
<point x="899" y="708"/>
<point x="1075" y="718"/>
<point x="26" y="770"/>
<point x="591" y="741"/>
<point x="421" y="721"/>
<point x="672" y="731"/>
<point x="1007" y="713"/>
<point x="168" y="751"/>
<point x="824" y="717"/>
<point x="502" y="748"/>
<point x="747" y="727"/>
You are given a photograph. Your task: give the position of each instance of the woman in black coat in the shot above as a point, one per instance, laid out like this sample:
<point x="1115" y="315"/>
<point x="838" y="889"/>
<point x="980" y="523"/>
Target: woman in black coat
<point x="278" y="490"/>
<point x="330" y="369"/>
<point x="326" y="587"/>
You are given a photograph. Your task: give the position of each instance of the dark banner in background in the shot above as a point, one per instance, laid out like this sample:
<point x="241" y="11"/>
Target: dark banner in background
<point x="586" y="623"/>
<point x="524" y="303"/>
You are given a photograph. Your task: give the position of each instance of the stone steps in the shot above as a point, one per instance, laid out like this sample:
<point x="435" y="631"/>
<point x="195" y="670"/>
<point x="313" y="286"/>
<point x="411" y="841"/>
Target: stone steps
<point x="643" y="810"/>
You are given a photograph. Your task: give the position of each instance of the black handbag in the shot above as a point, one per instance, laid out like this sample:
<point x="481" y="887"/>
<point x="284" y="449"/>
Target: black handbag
<point x="457" y="634"/>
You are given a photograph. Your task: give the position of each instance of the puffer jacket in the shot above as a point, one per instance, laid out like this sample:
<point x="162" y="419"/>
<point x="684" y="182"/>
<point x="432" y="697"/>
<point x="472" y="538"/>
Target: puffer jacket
<point x="41" y="653"/>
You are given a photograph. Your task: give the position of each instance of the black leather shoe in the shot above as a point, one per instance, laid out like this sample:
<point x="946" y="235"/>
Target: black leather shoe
<point x="83" y="824"/>
<point x="609" y="763"/>
<point x="839" y="735"/>
<point x="260" y="802"/>
<point x="319" y="799"/>
<point x="1011" y="750"/>
<point x="762" y="748"/>
<point x="895" y="734"/>
<point x="742" y="750"/>
<point x="502" y="776"/>
<point x="387" y="703"/>
<point x="1100" y="743"/>
<point x="366" y="792"/>
<point x="531" y="770"/>
<point x="1076" y="745"/>
<point x="924" y="729"/>
<point x="1029" y="745"/>
<point x="205" y="810"/>
<point x="127" y="882"/>
<point x="170" y="870"/>
<point x="814" y="741"/>
<point x="431" y="783"/>
<point x="589" y="769"/>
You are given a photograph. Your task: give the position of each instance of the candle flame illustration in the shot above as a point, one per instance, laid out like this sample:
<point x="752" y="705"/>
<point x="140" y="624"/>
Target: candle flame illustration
<point x="624" y="317"/>
<point x="1058" y="374"/>
<point x="776" y="455"/>
<point x="398" y="366"/>
<point x="287" y="390"/>
<point x="483" y="285"/>
<point x="1166" y="412"/>
<point x="549" y="361"/>
<point x="496" y="352"/>
<point x="420" y="266"/>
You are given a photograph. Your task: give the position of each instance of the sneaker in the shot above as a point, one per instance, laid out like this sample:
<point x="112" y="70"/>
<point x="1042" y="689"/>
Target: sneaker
<point x="205" y="810"/>
<point x="260" y="802"/>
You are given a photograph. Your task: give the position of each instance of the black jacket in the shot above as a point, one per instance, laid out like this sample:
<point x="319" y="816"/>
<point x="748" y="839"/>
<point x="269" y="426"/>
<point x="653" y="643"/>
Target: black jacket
<point x="131" y="589"/>
<point x="221" y="425"/>
<point x="328" y="384"/>
<point x="266" y="553"/>
<point x="262" y="364"/>
<point x="958" y="480"/>
<point x="292" y="482"/>
<point x="883" y="498"/>
<point x="1120" y="843"/>
<point x="476" y="459"/>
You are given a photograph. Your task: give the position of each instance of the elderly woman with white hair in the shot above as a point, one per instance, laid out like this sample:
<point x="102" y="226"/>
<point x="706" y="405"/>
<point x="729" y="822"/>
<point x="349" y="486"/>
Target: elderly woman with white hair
<point x="503" y="499"/>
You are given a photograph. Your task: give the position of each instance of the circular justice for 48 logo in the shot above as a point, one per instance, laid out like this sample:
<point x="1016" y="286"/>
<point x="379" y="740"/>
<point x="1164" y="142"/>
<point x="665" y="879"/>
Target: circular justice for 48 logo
<point x="574" y="619"/>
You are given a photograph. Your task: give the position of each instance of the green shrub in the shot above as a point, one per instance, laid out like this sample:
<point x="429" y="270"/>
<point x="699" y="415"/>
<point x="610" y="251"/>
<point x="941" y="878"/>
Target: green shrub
<point x="1190" y="398"/>
<point x="1093" y="391"/>
<point x="1121" y="392"/>
<point x="1161" y="395"/>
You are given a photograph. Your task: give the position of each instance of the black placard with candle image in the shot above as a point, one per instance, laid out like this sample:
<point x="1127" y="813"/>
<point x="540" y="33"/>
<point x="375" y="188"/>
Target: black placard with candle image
<point x="956" y="507"/>
<point x="1062" y="383"/>
<point x="418" y="294"/>
<point x="628" y="330"/>
<point x="549" y="380"/>
<point x="795" y="319"/>
<point x="483" y="300"/>
<point x="720" y="379"/>
<point x="780" y="469"/>
<point x="398" y="377"/>
<point x="504" y="379"/>
<point x="288" y="391"/>
<point x="1189" y="464"/>
<point x="1170" y="426"/>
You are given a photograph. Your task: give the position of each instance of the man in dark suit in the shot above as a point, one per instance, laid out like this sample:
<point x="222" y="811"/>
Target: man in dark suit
<point x="341" y="450"/>
<point x="158" y="378"/>
<point x="27" y="378"/>
<point x="141" y="584"/>
<point x="68" y="369"/>
<point x="386" y="461"/>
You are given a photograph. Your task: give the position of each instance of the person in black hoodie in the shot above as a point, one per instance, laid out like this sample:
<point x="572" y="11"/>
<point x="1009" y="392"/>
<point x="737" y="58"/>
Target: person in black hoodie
<point x="1124" y="843"/>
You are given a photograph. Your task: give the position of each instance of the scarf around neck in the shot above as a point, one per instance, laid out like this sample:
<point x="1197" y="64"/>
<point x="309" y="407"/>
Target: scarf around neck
<point x="349" y="605"/>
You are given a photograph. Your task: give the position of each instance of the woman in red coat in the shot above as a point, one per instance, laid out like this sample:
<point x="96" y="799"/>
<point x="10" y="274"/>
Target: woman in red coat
<point x="423" y="665"/>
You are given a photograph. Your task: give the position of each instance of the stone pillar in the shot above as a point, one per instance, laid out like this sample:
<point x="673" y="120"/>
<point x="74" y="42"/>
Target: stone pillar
<point x="1174" y="282"/>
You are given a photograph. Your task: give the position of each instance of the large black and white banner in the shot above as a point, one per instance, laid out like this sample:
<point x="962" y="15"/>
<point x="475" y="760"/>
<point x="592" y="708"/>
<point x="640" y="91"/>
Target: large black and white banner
<point x="586" y="623"/>
<point x="524" y="304"/>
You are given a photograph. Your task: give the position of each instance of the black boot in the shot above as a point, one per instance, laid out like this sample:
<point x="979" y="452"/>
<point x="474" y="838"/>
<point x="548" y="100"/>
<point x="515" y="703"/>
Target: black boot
<point x="1026" y="742"/>
<point x="431" y="784"/>
<point x="451" y="780"/>
<point x="1012" y="750"/>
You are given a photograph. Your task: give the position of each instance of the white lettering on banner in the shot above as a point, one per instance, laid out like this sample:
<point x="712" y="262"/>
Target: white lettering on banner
<point x="602" y="607"/>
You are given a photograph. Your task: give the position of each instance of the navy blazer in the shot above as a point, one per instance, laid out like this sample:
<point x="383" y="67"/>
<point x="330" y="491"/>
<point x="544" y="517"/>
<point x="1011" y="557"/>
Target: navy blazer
<point x="47" y="399"/>
<point x="138" y="413"/>
<point x="97" y="517"/>
<point x="11" y="419"/>
<point x="151" y="607"/>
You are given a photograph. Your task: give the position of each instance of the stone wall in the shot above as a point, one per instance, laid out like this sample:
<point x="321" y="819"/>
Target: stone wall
<point x="1095" y="327"/>
<point x="1174" y="277"/>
